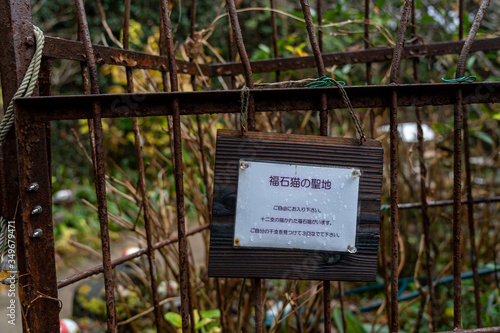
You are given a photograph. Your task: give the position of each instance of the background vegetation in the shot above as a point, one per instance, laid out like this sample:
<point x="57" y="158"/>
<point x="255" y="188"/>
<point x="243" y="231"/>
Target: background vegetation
<point x="76" y="221"/>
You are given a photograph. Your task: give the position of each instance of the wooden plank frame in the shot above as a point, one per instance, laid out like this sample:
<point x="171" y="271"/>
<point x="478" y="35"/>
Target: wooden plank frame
<point x="225" y="260"/>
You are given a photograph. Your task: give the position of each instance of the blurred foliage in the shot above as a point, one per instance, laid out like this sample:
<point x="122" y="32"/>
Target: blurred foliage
<point x="342" y="29"/>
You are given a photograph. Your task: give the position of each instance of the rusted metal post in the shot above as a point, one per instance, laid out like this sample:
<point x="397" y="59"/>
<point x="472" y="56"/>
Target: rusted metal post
<point x="16" y="27"/>
<point x="323" y="116"/>
<point x="405" y="14"/>
<point x="178" y="170"/>
<point x="99" y="170"/>
<point x="319" y="21"/>
<point x="142" y="182"/>
<point x="323" y="108"/>
<point x="457" y="178"/>
<point x="247" y="70"/>
<point x="468" y="183"/>
<point x="39" y="283"/>
<point x="17" y="49"/>
<point x="276" y="55"/>
<point x="366" y="38"/>
<point x="423" y="188"/>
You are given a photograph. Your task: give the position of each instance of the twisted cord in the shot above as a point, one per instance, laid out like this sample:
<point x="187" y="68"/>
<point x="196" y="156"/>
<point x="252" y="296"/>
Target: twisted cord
<point x="27" y="85"/>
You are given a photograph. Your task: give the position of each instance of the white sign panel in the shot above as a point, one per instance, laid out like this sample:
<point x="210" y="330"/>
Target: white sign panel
<point x="296" y="206"/>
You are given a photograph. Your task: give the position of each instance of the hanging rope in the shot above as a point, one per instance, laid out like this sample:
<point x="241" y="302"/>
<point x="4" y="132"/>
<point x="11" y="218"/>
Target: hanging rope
<point x="312" y="83"/>
<point x="27" y="85"/>
<point x="327" y="82"/>
<point x="25" y="90"/>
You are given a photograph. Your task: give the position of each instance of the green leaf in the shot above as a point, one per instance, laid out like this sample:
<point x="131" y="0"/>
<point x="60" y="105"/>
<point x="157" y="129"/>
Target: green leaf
<point x="484" y="137"/>
<point x="210" y="313"/>
<point x="174" y="318"/>
<point x="203" y="323"/>
<point x="352" y="322"/>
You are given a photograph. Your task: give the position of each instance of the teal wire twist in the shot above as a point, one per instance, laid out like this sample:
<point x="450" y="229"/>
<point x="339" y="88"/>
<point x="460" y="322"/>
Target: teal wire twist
<point x="470" y="78"/>
<point x="324" y="82"/>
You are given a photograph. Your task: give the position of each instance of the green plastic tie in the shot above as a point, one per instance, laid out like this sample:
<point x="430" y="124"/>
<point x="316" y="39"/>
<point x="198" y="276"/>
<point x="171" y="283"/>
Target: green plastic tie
<point x="470" y="78"/>
<point x="324" y="82"/>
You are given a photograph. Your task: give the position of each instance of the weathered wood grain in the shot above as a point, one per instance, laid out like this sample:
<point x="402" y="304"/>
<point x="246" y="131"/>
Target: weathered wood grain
<point x="227" y="261"/>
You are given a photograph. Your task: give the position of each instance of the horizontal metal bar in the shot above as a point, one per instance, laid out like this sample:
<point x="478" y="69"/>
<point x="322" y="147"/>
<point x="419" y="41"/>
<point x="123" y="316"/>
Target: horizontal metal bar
<point x="364" y="56"/>
<point x="99" y="269"/>
<point x="73" y="50"/>
<point x="441" y="203"/>
<point x="228" y="101"/>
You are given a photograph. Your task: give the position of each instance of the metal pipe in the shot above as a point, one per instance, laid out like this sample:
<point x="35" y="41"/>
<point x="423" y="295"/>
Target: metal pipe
<point x="142" y="182"/>
<point x="423" y="190"/>
<point x="257" y="296"/>
<point x="99" y="170"/>
<point x="99" y="269"/>
<point x="394" y="325"/>
<point x="319" y="14"/>
<point x="247" y="68"/>
<point x="60" y="48"/>
<point x="457" y="178"/>
<point x="178" y="168"/>
<point x="276" y="55"/>
<point x="323" y="108"/>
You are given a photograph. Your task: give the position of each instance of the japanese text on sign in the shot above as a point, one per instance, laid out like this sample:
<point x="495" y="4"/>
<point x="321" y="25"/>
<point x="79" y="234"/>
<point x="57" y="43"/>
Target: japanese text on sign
<point x="296" y="206"/>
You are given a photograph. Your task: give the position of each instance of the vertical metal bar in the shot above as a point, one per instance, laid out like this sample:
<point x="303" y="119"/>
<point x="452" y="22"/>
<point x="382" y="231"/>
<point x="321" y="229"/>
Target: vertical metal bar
<point x="257" y="290"/>
<point x="247" y="69"/>
<point x="323" y="116"/>
<point x="179" y="186"/>
<point x="468" y="182"/>
<point x="367" y="44"/>
<point x="319" y="13"/>
<point x="423" y="186"/>
<point x="230" y="46"/>
<point x="16" y="28"/>
<point x="457" y="170"/>
<point x="99" y="170"/>
<point x="461" y="7"/>
<point x="323" y="113"/>
<point x="142" y="182"/>
<point x="366" y="38"/>
<point x="384" y="267"/>
<point x="341" y="297"/>
<point x="405" y="14"/>
<point x="33" y="142"/>
<point x="203" y="163"/>
<point x="275" y="37"/>
<point x="276" y="55"/>
<point x="327" y="302"/>
<point x="39" y="282"/>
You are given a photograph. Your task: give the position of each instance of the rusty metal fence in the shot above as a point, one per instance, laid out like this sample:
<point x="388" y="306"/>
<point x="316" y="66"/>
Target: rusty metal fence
<point x="25" y="156"/>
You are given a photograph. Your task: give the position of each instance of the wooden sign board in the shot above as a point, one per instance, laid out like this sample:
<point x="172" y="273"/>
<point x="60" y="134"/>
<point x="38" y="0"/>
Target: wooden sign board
<point x="295" y="207"/>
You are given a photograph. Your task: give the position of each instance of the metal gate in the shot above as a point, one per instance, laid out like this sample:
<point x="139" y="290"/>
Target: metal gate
<point x="26" y="155"/>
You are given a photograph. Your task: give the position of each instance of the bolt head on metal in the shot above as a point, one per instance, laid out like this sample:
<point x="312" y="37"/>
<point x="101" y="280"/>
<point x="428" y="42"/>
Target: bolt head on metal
<point x="356" y="173"/>
<point x="37" y="233"/>
<point x="36" y="210"/>
<point x="244" y="165"/>
<point x="351" y="249"/>
<point x="30" y="41"/>
<point x="33" y="187"/>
